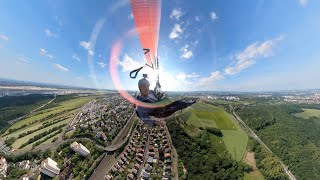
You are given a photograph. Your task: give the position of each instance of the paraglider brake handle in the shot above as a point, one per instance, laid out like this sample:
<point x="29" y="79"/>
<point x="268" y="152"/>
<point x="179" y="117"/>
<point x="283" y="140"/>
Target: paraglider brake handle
<point x="146" y="50"/>
<point x="136" y="71"/>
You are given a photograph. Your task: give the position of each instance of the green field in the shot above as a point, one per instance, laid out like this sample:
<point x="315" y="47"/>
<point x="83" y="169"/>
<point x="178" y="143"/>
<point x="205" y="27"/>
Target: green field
<point x="24" y="139"/>
<point x="66" y="109"/>
<point x="234" y="138"/>
<point x="32" y="127"/>
<point x="236" y="142"/>
<point x="218" y="143"/>
<point x="67" y="105"/>
<point x="254" y="175"/>
<point x="29" y="146"/>
<point x="309" y="113"/>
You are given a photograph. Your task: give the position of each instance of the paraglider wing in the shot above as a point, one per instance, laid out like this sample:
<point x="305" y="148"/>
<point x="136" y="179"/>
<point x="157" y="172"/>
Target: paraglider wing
<point x="146" y="14"/>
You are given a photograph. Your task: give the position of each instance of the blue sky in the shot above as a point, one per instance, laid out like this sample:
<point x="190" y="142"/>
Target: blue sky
<point x="252" y="45"/>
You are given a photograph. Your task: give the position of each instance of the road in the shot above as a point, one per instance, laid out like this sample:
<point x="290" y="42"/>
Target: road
<point x="119" y="140"/>
<point x="75" y="119"/>
<point x="122" y="136"/>
<point x="253" y="134"/>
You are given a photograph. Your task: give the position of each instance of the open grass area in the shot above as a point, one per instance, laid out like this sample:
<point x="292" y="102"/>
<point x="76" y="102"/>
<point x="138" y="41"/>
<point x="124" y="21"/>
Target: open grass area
<point x="33" y="126"/>
<point x="24" y="139"/>
<point x="67" y="105"/>
<point x="236" y="142"/>
<point x="64" y="112"/>
<point x="29" y="146"/>
<point x="218" y="143"/>
<point x="210" y="116"/>
<point x="205" y="115"/>
<point x="185" y="115"/>
<point x="254" y="175"/>
<point x="309" y="113"/>
<point x="224" y="121"/>
<point x="192" y="119"/>
<point x="208" y="122"/>
<point x="205" y="107"/>
<point x="50" y="140"/>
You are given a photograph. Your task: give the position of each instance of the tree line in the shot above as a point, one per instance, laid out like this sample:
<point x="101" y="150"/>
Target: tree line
<point x="200" y="157"/>
<point x="293" y="139"/>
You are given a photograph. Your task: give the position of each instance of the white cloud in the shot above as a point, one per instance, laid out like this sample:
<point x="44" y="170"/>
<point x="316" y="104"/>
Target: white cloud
<point x="60" y="68"/>
<point x="58" y="20"/>
<point x="76" y="57"/>
<point x="130" y="16"/>
<point x="207" y="81"/>
<point x="303" y="2"/>
<point x="4" y="37"/>
<point x="197" y="18"/>
<point x="87" y="46"/>
<point x="186" y="53"/>
<point x="176" y="13"/>
<point x="119" y="4"/>
<point x="128" y="64"/>
<point x="182" y="77"/>
<point x="248" y="57"/>
<point x="193" y="75"/>
<point x="176" y="31"/>
<point x="186" y="79"/>
<point x="43" y="52"/>
<point x="92" y="76"/>
<point x="213" y="16"/>
<point x="21" y="60"/>
<point x="195" y="43"/>
<point x="183" y="81"/>
<point x="50" y="33"/>
<point x="102" y="65"/>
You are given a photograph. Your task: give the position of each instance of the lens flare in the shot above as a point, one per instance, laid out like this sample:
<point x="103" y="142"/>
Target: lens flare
<point x="114" y="56"/>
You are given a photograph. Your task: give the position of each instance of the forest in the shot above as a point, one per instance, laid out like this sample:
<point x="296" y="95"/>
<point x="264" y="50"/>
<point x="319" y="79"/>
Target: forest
<point x="293" y="139"/>
<point x="200" y="157"/>
<point x="12" y="107"/>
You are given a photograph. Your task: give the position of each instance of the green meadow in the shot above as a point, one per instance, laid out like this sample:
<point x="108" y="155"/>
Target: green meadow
<point x="309" y="113"/>
<point x="56" y="116"/>
<point x="254" y="175"/>
<point x="204" y="115"/>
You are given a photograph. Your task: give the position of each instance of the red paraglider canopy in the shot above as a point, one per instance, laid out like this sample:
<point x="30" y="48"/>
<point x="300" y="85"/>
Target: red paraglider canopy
<point x="146" y="14"/>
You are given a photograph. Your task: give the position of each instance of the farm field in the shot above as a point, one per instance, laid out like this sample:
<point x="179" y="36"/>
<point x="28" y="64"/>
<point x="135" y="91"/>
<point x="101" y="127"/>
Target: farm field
<point x="33" y="126"/>
<point x="309" y="113"/>
<point x="234" y="139"/>
<point x="24" y="139"/>
<point x="66" y="105"/>
<point x="43" y="121"/>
